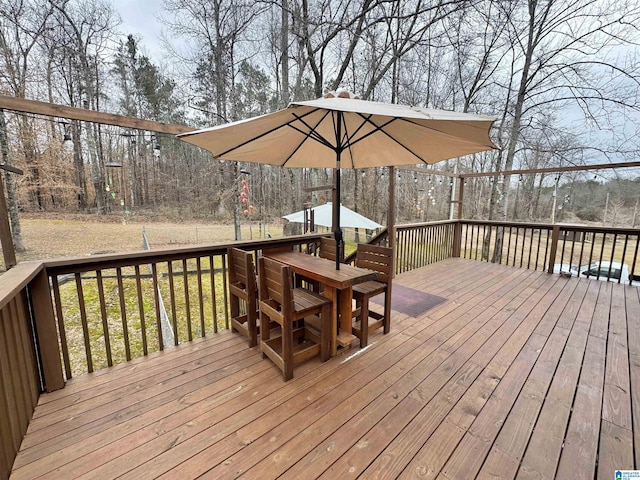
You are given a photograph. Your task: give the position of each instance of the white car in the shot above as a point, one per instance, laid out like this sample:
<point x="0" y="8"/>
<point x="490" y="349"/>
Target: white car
<point x="604" y="271"/>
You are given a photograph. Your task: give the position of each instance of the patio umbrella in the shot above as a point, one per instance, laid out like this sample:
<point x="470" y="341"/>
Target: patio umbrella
<point x="342" y="131"/>
<point x="323" y="217"/>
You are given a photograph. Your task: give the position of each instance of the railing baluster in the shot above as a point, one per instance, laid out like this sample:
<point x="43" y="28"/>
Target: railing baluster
<point x="214" y="304"/>
<point x="469" y="239"/>
<point x="563" y="236"/>
<point x="422" y="259"/>
<point x="103" y="315"/>
<point x="524" y="239"/>
<point x="123" y="314"/>
<point x="143" y="324"/>
<point x="573" y="245"/>
<point x="200" y="299"/>
<point x="624" y="253"/>
<point x="538" y="247"/>
<point x="508" y="246"/>
<point x="187" y="305"/>
<point x="613" y="252"/>
<point x="593" y="244"/>
<point x="582" y="238"/>
<point x="530" y="246"/>
<point x="411" y="248"/>
<point x="172" y="299"/>
<point x="635" y="259"/>
<point x="156" y="304"/>
<point x="546" y="248"/>
<point x="225" y="290"/>
<point x="604" y="240"/>
<point x="61" y="327"/>
<point x="83" y="320"/>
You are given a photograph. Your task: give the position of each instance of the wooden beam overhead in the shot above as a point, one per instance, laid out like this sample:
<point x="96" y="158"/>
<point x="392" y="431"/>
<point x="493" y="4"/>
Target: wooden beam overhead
<point x="427" y="171"/>
<point x="72" y="113"/>
<point x="573" y="168"/>
<point x="317" y="189"/>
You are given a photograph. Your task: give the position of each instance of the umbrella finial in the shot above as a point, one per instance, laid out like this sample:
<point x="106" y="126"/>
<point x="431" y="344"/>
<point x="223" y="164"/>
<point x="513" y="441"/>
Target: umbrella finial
<point x="341" y="93"/>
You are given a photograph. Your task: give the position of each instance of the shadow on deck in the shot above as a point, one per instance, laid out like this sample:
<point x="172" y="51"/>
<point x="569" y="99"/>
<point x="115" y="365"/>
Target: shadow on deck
<point x="517" y="373"/>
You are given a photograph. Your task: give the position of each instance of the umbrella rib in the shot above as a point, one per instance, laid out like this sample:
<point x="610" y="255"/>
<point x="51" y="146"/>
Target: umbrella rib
<point x="312" y="134"/>
<point x="349" y="137"/>
<point x="264" y="134"/>
<point x="381" y="129"/>
<point x="445" y="133"/>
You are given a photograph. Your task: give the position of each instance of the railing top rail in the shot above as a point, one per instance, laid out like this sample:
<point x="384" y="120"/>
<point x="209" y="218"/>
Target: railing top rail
<point x="498" y="223"/>
<point x="563" y="226"/>
<point x="61" y="266"/>
<point x="15" y="279"/>
<point x="412" y="226"/>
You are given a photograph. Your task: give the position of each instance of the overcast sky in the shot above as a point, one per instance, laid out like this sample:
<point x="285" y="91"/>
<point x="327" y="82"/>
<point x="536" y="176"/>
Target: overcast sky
<point x="139" y="17"/>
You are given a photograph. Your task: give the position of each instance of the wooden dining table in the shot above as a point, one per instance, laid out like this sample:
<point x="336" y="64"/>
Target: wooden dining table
<point x="338" y="286"/>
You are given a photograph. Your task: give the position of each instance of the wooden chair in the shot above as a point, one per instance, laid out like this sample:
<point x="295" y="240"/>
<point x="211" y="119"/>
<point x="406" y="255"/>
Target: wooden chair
<point x="242" y="286"/>
<point x="327" y="248"/>
<point x="285" y="305"/>
<point x="379" y="259"/>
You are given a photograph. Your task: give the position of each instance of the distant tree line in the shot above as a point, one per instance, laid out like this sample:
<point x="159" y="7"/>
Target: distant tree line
<point x="561" y="77"/>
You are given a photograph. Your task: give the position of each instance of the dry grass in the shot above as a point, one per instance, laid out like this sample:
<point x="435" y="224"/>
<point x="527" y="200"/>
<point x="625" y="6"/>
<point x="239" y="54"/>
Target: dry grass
<point x="79" y="235"/>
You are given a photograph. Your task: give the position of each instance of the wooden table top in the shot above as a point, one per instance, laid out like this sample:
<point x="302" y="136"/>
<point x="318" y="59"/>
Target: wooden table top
<point x="323" y="270"/>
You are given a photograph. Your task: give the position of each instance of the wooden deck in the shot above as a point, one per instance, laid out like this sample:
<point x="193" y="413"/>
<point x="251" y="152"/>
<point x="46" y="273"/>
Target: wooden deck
<point x="518" y="374"/>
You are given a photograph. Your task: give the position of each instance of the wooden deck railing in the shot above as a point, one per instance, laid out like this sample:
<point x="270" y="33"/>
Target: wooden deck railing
<point x="523" y="245"/>
<point x="66" y="317"/>
<point x="420" y="244"/>
<point x="26" y="367"/>
<point x="545" y="246"/>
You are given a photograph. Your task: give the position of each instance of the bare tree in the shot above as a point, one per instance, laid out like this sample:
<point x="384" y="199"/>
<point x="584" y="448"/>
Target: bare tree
<point x="22" y="23"/>
<point x="85" y="29"/>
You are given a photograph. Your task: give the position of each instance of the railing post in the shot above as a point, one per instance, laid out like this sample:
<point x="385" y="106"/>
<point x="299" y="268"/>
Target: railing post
<point x="45" y="323"/>
<point x="457" y="239"/>
<point x="555" y="236"/>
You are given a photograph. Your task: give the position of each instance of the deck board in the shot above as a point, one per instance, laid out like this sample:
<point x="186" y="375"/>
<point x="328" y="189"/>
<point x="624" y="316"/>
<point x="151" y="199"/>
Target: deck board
<point x="518" y="373"/>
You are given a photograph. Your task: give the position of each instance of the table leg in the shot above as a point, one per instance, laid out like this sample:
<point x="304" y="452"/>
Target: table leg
<point x="332" y="294"/>
<point x="345" y="338"/>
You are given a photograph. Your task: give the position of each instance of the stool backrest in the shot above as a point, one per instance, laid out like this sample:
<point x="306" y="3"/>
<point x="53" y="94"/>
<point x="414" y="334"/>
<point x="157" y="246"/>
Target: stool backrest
<point x="328" y="249"/>
<point x="374" y="257"/>
<point x="241" y="270"/>
<point x="275" y="287"/>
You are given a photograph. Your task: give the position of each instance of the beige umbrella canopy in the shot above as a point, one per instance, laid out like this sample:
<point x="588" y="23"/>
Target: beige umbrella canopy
<point x="341" y="131"/>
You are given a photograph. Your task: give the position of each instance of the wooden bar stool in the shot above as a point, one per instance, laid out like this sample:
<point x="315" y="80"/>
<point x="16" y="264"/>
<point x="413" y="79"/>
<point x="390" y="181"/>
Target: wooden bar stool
<point x="285" y="305"/>
<point x="379" y="259"/>
<point x="242" y="286"/>
<point x="328" y="249"/>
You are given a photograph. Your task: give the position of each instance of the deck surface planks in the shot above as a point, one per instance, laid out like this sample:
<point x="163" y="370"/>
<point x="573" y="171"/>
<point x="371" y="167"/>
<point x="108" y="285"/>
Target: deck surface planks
<point x="519" y="373"/>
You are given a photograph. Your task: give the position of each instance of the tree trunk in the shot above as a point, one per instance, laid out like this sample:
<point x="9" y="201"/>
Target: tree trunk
<point x="12" y="202"/>
<point x="284" y="53"/>
<point x="78" y="163"/>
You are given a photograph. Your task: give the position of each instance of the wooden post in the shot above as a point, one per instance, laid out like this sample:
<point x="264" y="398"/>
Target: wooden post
<point x="45" y="323"/>
<point x="460" y="196"/>
<point x="457" y="231"/>
<point x="555" y="236"/>
<point x="391" y="215"/>
<point x="8" y="250"/>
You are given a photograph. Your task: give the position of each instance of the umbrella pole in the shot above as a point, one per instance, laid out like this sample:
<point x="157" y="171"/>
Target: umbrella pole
<point x="337" y="233"/>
